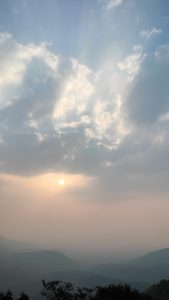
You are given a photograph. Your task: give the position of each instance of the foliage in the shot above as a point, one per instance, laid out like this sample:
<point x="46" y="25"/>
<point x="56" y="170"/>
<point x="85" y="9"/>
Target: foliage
<point x="160" y="291"/>
<point x="6" y="296"/>
<point x="64" y="291"/>
<point x="9" y="296"/>
<point x="58" y="290"/>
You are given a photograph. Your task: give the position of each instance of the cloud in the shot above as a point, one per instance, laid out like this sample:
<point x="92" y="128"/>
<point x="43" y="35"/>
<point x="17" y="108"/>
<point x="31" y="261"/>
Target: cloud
<point x="150" y="33"/>
<point x="109" y="5"/>
<point x="113" y="3"/>
<point x="58" y="115"/>
<point x="55" y="113"/>
<point x="132" y="63"/>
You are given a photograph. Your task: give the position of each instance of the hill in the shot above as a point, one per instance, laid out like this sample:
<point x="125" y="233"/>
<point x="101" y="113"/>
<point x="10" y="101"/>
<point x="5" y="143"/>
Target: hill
<point x="46" y="261"/>
<point x="22" y="268"/>
<point x="8" y="246"/>
<point x="151" y="267"/>
<point x="153" y="258"/>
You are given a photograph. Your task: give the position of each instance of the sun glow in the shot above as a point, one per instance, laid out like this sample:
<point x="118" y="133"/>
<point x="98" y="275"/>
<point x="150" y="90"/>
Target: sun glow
<point x="61" y="181"/>
<point x="48" y="185"/>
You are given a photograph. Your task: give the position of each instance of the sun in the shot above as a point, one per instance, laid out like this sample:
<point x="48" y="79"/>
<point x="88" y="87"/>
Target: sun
<point x="61" y="181"/>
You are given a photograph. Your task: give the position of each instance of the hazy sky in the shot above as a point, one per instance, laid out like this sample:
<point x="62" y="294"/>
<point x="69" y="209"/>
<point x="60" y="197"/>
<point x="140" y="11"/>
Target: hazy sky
<point x="84" y="123"/>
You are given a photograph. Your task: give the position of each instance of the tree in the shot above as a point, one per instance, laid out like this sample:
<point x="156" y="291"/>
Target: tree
<point x="23" y="296"/>
<point x="6" y="296"/>
<point x="58" y="290"/>
<point x="118" y="292"/>
<point x="160" y="291"/>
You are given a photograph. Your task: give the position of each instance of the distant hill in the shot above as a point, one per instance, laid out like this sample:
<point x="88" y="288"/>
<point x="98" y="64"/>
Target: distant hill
<point x="133" y="273"/>
<point x="8" y="246"/>
<point x="23" y="268"/>
<point x="46" y="261"/>
<point x="153" y="258"/>
<point x="151" y="267"/>
<point x="80" y="278"/>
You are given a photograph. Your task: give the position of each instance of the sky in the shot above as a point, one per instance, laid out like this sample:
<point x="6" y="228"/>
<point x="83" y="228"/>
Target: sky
<point x="84" y="124"/>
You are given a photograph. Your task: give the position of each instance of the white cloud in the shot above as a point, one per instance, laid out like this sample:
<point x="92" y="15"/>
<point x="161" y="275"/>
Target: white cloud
<point x="54" y="105"/>
<point x="59" y="114"/>
<point x="76" y="92"/>
<point x="15" y="60"/>
<point x="113" y="3"/>
<point x="132" y="63"/>
<point x="109" y="5"/>
<point x="150" y="33"/>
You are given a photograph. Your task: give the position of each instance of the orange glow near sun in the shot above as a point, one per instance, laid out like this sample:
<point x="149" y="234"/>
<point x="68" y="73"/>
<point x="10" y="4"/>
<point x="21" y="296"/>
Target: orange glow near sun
<point x="61" y="181"/>
<point x="47" y="185"/>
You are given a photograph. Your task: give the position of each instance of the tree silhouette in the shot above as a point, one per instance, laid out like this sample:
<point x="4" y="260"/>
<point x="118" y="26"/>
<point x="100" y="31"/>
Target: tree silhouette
<point x="9" y="296"/>
<point x="160" y="291"/>
<point x="23" y="296"/>
<point x="6" y="296"/>
<point x="58" y="290"/>
<point x="118" y="292"/>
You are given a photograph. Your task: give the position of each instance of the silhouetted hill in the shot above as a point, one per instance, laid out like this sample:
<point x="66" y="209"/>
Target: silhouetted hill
<point x="25" y="270"/>
<point x="21" y="270"/>
<point x="47" y="261"/>
<point x="151" y="267"/>
<point x="153" y="258"/>
<point x="133" y="272"/>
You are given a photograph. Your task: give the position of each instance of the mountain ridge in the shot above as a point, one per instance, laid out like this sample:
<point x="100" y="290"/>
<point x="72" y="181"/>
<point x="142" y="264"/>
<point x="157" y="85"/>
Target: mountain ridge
<point x="20" y="268"/>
